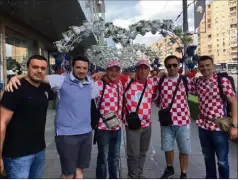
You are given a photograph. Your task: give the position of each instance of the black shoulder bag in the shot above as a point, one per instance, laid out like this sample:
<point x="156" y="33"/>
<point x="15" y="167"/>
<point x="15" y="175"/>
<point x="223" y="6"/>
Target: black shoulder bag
<point x="164" y="114"/>
<point x="132" y="118"/>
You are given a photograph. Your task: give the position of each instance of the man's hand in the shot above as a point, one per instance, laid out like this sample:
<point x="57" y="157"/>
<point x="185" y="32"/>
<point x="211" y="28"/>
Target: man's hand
<point x="14" y="82"/>
<point x="2" y="170"/>
<point x="98" y="76"/>
<point x="233" y="133"/>
<point x="161" y="74"/>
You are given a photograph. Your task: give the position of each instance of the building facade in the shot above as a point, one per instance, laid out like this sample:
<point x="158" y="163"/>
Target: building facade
<point x="164" y="48"/>
<point x="217" y="33"/>
<point x="31" y="27"/>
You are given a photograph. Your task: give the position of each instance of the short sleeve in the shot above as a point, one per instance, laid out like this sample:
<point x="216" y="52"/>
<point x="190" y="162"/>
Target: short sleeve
<point x="56" y="81"/>
<point x="227" y="88"/>
<point x="10" y="100"/>
<point x="94" y="90"/>
<point x="192" y="85"/>
<point x="155" y="82"/>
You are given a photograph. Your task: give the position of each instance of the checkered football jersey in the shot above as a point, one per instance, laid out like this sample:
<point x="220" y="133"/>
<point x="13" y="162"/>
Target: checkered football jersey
<point x="211" y="105"/>
<point x="110" y="102"/>
<point x="180" y="110"/>
<point x="132" y="97"/>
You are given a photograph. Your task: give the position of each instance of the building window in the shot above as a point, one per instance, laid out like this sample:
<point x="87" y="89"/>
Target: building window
<point x="233" y="9"/>
<point x="209" y="25"/>
<point x="234" y="26"/>
<point x="224" y="50"/>
<point x="209" y="36"/>
<point x="233" y="14"/>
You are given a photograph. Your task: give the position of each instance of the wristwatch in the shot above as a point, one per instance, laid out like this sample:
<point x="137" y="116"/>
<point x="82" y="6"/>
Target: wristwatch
<point x="234" y="125"/>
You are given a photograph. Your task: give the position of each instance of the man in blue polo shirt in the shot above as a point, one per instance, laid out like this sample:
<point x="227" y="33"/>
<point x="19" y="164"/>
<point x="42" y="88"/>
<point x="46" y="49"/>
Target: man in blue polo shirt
<point x="73" y="117"/>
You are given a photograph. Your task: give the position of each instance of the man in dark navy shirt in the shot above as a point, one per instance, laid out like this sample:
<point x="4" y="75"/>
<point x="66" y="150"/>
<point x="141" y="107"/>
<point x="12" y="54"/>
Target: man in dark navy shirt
<point x="23" y="118"/>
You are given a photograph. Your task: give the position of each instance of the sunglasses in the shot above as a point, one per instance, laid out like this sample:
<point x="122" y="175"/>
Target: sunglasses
<point x="169" y="66"/>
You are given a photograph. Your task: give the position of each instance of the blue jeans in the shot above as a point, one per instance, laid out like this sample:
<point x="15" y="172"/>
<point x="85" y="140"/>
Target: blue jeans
<point x="25" y="167"/>
<point x="215" y="142"/>
<point x="109" y="143"/>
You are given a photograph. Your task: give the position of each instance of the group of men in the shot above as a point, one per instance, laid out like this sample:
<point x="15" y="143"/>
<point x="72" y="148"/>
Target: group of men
<point x="120" y="100"/>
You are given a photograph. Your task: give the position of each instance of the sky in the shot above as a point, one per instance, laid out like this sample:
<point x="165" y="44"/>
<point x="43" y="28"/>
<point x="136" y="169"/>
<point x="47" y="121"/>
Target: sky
<point x="123" y="13"/>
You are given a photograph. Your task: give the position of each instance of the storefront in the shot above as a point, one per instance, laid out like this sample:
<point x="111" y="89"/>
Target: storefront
<point x="31" y="27"/>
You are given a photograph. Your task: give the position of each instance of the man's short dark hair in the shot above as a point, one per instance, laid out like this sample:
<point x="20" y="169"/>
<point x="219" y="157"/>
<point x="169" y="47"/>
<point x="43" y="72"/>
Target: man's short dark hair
<point x="38" y="57"/>
<point x="171" y="57"/>
<point x="204" y="58"/>
<point x="80" y="58"/>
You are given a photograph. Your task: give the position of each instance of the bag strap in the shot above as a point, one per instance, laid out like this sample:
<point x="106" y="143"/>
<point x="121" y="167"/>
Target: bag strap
<point x="103" y="91"/>
<point x="185" y="82"/>
<point x="161" y="80"/>
<point x="175" y="92"/>
<point x="220" y="87"/>
<point x="118" y="98"/>
<point x="141" y="96"/>
<point x="124" y="98"/>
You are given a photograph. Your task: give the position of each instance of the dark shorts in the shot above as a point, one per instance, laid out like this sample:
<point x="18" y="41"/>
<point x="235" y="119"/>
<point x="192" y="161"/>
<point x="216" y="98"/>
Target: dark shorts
<point x="74" y="152"/>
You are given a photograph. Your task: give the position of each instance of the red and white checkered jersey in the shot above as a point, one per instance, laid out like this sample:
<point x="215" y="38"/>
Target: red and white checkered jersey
<point x="132" y="97"/>
<point x="180" y="110"/>
<point x="211" y="105"/>
<point x="110" y="102"/>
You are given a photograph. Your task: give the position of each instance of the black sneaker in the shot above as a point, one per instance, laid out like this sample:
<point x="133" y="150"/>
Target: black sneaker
<point x="168" y="173"/>
<point x="183" y="176"/>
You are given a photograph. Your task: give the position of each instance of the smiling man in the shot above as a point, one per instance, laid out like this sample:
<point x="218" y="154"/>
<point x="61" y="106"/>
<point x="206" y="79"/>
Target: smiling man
<point x="108" y="134"/>
<point x="73" y="132"/>
<point x="23" y="118"/>
<point x="174" y="117"/>
<point x="211" y="107"/>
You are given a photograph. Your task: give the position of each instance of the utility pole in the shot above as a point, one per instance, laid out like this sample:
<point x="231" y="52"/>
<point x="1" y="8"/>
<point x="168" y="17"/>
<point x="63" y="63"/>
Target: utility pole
<point x="185" y="30"/>
<point x="185" y="16"/>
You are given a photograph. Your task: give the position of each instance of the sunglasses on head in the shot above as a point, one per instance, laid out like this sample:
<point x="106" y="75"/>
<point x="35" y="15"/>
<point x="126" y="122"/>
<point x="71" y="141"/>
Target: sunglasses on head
<point x="169" y="66"/>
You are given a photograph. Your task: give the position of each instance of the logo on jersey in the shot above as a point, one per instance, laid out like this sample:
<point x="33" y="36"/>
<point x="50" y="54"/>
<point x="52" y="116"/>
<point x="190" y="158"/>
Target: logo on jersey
<point x="46" y="94"/>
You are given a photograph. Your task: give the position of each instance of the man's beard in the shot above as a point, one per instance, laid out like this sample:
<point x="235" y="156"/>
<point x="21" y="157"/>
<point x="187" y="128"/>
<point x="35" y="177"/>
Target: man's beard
<point x="79" y="78"/>
<point x="34" y="80"/>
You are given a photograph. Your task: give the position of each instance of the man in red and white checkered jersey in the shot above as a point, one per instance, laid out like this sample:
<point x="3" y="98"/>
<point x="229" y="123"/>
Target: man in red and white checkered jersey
<point x="138" y="140"/>
<point x="178" y="128"/>
<point x="108" y="135"/>
<point x="211" y="107"/>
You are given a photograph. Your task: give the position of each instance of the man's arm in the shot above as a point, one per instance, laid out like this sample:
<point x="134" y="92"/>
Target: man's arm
<point x="55" y="81"/>
<point x="233" y="131"/>
<point x="5" y="117"/>
<point x="232" y="100"/>
<point x="15" y="82"/>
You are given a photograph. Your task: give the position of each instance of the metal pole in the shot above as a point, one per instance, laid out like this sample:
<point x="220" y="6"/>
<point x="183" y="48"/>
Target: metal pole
<point x="185" y="16"/>
<point x="185" y="29"/>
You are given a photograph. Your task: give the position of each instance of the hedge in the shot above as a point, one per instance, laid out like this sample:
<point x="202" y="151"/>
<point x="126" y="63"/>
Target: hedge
<point x="193" y="105"/>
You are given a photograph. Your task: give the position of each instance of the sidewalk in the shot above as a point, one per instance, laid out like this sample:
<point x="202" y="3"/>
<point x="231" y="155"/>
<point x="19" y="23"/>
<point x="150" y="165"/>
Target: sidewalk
<point x="155" y="161"/>
<point x="53" y="169"/>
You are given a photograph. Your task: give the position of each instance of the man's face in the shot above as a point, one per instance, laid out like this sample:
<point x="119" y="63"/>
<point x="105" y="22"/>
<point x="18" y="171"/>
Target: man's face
<point x="206" y="67"/>
<point x="142" y="72"/>
<point x="113" y="73"/>
<point x="37" y="70"/>
<point x="80" y="69"/>
<point x="172" y="67"/>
